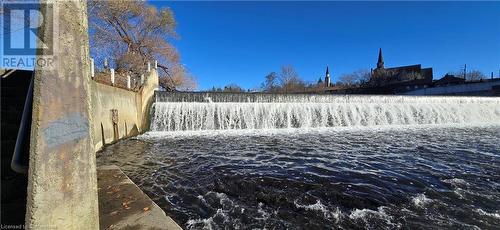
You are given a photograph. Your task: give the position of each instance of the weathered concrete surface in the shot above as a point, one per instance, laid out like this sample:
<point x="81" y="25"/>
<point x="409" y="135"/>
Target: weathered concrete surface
<point x="104" y="99"/>
<point x="132" y="107"/>
<point x="62" y="184"/>
<point x="481" y="88"/>
<point x="122" y="205"/>
<point x="148" y="98"/>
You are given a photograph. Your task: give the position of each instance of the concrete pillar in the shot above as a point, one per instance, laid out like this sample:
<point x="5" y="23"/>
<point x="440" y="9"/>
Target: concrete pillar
<point x="128" y="81"/>
<point x="149" y="66"/>
<point x="92" y="73"/>
<point x="62" y="183"/>
<point x="112" y="71"/>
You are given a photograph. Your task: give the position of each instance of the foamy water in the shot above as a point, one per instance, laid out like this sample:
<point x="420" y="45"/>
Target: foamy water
<point x="319" y="111"/>
<point x="284" y="161"/>
<point x="384" y="177"/>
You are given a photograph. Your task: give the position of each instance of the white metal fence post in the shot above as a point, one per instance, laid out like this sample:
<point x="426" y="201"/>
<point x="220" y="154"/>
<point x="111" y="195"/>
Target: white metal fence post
<point x="112" y="76"/>
<point x="92" y="70"/>
<point x="128" y="81"/>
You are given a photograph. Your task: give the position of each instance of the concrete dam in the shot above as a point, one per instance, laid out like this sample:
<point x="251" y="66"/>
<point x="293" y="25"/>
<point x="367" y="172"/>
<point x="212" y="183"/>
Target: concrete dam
<point x="234" y="160"/>
<point x="223" y="111"/>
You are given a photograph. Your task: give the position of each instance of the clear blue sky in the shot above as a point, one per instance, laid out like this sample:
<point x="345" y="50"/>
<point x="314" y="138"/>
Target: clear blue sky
<point x="240" y="42"/>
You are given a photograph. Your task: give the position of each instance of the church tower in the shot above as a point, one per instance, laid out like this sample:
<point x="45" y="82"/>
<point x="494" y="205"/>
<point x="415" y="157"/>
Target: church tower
<point x="327" y="77"/>
<point x="380" y="62"/>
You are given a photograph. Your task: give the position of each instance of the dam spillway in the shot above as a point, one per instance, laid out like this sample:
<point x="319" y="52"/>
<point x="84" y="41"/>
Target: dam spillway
<point x="347" y="178"/>
<point x="226" y="111"/>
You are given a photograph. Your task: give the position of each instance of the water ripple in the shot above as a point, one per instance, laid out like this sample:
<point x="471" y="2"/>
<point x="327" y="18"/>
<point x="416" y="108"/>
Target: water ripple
<point x="427" y="177"/>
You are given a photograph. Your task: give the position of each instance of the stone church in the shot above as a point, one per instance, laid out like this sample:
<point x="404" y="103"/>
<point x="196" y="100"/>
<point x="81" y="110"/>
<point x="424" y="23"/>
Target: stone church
<point x="408" y="77"/>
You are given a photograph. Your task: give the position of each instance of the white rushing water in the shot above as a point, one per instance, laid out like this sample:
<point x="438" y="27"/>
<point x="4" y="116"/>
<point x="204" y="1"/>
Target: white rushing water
<point x="309" y="111"/>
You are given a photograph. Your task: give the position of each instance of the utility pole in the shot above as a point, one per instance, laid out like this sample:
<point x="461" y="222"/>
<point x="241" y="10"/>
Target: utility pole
<point x="465" y="71"/>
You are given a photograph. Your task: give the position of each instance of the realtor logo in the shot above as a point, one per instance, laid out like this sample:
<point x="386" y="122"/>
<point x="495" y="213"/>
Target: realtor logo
<point x="31" y="19"/>
<point x="21" y="23"/>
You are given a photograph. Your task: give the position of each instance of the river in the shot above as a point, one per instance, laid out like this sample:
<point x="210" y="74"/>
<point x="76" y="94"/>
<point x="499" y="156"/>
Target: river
<point x="397" y="176"/>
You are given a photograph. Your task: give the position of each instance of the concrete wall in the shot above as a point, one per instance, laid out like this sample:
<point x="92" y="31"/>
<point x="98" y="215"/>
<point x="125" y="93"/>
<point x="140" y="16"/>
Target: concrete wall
<point x="481" y="88"/>
<point x="132" y="107"/>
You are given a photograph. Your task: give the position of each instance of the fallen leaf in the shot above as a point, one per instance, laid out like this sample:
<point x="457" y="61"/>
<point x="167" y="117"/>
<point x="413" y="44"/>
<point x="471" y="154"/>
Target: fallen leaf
<point x="126" y="203"/>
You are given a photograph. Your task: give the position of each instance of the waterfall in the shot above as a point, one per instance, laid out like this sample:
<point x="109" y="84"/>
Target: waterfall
<point x="204" y="111"/>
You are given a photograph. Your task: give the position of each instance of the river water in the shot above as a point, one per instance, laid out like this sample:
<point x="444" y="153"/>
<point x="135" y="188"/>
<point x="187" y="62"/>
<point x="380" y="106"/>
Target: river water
<point x="388" y="177"/>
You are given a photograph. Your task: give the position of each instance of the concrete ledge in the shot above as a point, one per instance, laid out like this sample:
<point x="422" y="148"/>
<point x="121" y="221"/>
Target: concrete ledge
<point x="122" y="205"/>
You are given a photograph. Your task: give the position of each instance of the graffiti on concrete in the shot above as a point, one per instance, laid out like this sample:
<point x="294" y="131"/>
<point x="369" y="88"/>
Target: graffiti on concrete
<point x="70" y="128"/>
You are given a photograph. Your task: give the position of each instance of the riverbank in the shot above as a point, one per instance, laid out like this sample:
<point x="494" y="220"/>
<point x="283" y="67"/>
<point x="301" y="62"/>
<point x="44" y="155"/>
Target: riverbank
<point x="122" y="205"/>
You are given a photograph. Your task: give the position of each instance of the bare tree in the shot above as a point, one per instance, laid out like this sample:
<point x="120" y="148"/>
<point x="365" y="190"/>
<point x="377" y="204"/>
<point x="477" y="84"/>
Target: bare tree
<point x="271" y="83"/>
<point x="180" y="79"/>
<point x="472" y="75"/>
<point x="355" y="78"/>
<point x="132" y="33"/>
<point x="475" y="75"/>
<point x="290" y="80"/>
<point x="234" y="88"/>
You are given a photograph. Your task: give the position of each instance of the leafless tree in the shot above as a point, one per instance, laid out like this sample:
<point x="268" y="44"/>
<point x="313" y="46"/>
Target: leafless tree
<point x="234" y="88"/>
<point x="472" y="75"/>
<point x="475" y="75"/>
<point x="132" y="33"/>
<point x="290" y="80"/>
<point x="271" y="83"/>
<point x="180" y="78"/>
<point x="355" y="78"/>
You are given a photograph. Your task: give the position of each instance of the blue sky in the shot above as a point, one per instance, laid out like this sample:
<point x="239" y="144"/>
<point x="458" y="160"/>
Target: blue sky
<point x="240" y="42"/>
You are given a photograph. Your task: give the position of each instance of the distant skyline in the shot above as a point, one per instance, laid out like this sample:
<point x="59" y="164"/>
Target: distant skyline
<point x="241" y="42"/>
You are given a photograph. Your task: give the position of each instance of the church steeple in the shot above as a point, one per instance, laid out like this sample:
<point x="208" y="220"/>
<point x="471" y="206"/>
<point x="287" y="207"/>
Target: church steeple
<point x="380" y="62"/>
<point x="327" y="77"/>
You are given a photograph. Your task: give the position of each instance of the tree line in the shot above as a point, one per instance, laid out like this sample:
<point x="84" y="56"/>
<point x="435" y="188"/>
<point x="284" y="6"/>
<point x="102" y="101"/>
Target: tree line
<point x="131" y="33"/>
<point x="287" y="80"/>
<point x="472" y="75"/>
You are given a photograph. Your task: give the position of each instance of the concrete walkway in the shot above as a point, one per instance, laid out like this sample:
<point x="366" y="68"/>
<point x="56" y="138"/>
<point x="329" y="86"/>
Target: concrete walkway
<point x="122" y="205"/>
